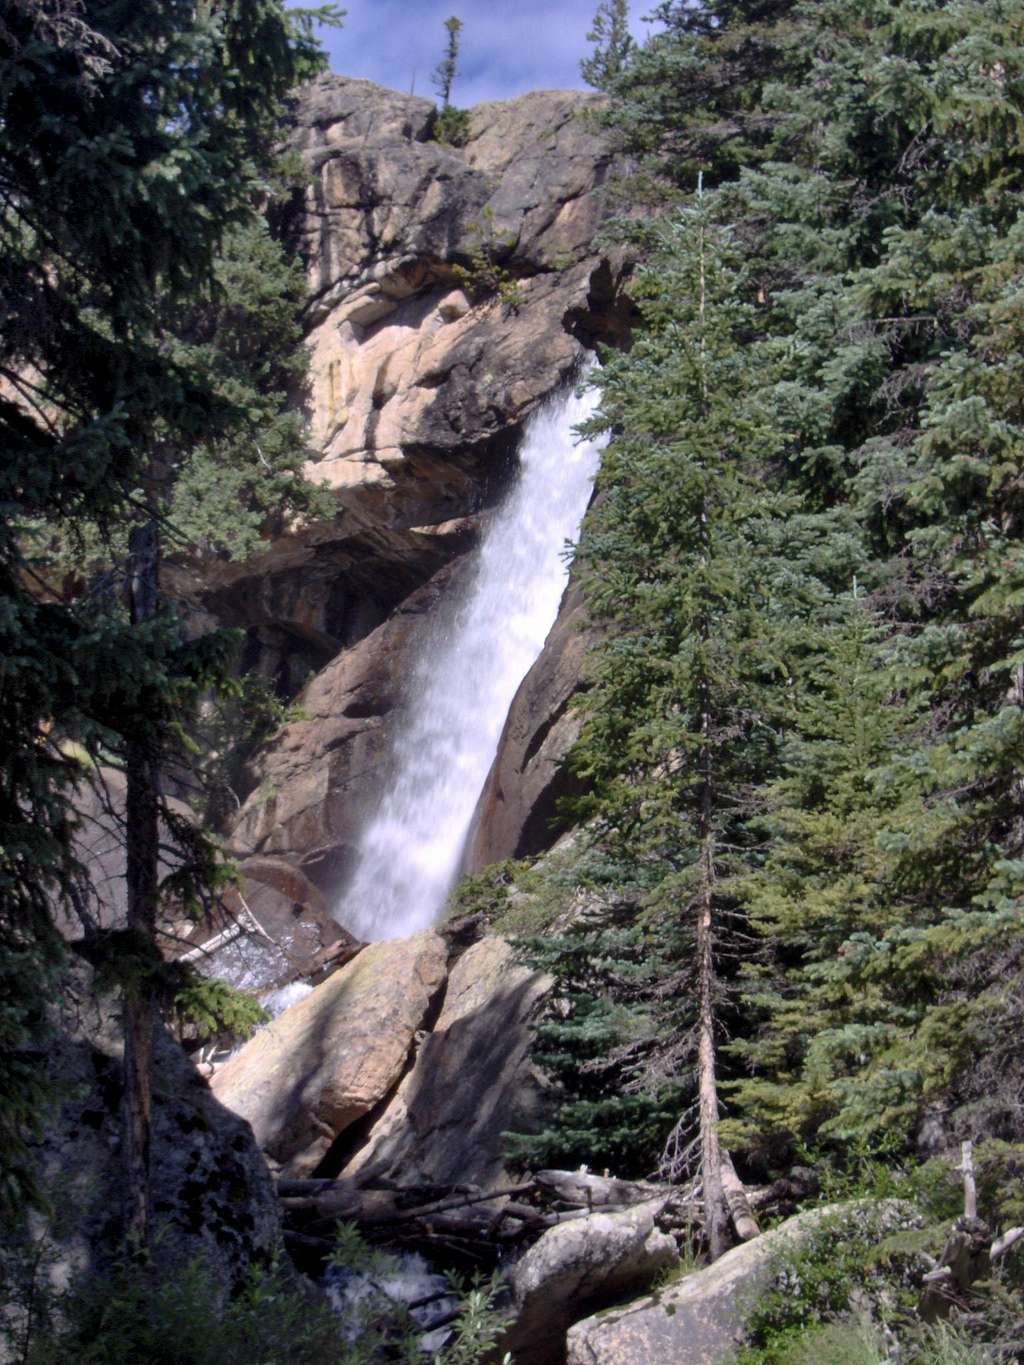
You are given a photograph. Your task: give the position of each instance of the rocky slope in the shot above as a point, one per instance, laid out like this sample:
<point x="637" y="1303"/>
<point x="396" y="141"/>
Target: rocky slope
<point x="421" y="381"/>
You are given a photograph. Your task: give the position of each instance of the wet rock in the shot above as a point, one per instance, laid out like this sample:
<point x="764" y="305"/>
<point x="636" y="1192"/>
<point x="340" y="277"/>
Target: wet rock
<point x="321" y="775"/>
<point x="516" y="814"/>
<point x="273" y="930"/>
<point x="329" y="1059"/>
<point x="471" y="1081"/>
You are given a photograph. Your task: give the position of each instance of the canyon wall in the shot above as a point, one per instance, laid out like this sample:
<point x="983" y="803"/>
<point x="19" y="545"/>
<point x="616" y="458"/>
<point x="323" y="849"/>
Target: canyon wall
<point x="453" y="289"/>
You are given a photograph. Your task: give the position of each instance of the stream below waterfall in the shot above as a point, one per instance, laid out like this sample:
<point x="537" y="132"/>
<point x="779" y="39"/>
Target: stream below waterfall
<point x="466" y="676"/>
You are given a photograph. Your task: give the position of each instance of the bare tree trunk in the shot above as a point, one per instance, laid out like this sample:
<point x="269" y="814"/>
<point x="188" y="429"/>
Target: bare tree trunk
<point x="740" y="1211"/>
<point x="715" y="1209"/>
<point x="142" y="843"/>
<point x="1015" y="695"/>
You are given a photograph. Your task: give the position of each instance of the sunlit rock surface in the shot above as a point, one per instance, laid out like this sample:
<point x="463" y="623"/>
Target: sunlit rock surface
<point x="329" y="1059"/>
<point x="471" y="1082"/>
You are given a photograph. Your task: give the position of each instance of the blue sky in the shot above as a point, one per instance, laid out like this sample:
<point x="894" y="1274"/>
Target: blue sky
<point x="507" y="46"/>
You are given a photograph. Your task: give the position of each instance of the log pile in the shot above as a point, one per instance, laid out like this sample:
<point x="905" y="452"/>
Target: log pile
<point x="483" y="1224"/>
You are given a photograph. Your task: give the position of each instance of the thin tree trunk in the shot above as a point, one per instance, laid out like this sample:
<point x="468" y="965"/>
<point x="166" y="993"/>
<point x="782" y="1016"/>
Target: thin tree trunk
<point x="142" y="844"/>
<point x="716" y="1214"/>
<point x="715" y="1209"/>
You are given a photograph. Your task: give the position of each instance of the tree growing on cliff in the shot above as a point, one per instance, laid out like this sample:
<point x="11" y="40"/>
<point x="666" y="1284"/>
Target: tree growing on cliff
<point x="451" y="124"/>
<point x="613" y="45"/>
<point x="447" y="68"/>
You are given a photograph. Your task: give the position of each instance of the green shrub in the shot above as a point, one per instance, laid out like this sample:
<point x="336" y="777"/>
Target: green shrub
<point x="861" y="1249"/>
<point x="452" y="126"/>
<point x="126" y="1317"/>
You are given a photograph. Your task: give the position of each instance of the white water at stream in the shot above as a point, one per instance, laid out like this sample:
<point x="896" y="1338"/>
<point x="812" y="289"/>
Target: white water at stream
<point x="463" y="683"/>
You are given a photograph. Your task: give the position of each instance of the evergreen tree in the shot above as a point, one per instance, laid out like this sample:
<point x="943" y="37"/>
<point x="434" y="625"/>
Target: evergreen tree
<point x="131" y="139"/>
<point x="447" y="68"/>
<point x="684" y="564"/>
<point x="613" y="45"/>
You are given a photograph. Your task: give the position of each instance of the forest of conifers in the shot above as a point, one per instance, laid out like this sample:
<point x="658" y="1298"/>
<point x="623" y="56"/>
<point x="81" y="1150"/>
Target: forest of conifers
<point x="803" y="742"/>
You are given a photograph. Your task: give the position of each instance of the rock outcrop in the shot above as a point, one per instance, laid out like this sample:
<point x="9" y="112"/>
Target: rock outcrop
<point x="421" y="379"/>
<point x="212" y="1193"/>
<point x="579" y="1265"/>
<point x="328" y="1060"/>
<point x="699" y="1319"/>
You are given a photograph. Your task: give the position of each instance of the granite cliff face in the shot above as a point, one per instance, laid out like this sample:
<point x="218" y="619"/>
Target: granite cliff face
<point x="421" y="379"/>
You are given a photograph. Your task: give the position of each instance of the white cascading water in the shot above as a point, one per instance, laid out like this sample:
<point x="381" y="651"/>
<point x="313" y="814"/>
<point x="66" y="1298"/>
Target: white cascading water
<point x="466" y="677"/>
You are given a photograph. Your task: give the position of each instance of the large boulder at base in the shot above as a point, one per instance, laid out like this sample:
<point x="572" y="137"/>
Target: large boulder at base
<point x="213" y="1197"/>
<point x="471" y="1082"/>
<point x="579" y="1265"/>
<point x="329" y="1059"/>
<point x="699" y="1320"/>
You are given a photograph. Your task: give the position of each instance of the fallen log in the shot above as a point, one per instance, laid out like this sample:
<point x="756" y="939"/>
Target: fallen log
<point x="736" y="1200"/>
<point x="375" y="1208"/>
<point x="597" y="1191"/>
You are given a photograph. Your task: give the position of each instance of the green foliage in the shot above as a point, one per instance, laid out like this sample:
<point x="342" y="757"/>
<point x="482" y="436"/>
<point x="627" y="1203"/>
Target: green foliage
<point x="613" y="45"/>
<point x="485" y="275"/>
<point x="451" y="126"/>
<point x="839" y="1343"/>
<point x="206" y="1007"/>
<point x="865" y="656"/>
<point x="132" y="139"/>
<point x="124" y="1317"/>
<point x="486" y="892"/>
<point x="231" y="724"/>
<point x="812" y="1280"/>
<point x="303" y="21"/>
<point x="479" y="1325"/>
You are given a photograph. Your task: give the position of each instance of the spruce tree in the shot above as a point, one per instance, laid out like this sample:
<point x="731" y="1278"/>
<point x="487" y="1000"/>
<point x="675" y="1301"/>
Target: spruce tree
<point x="613" y="45"/>
<point x="681" y="563"/>
<point x="131" y="139"/>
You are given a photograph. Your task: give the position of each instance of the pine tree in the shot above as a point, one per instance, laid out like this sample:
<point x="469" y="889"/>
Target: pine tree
<point x="448" y="67"/>
<point x="131" y="139"/>
<point x="613" y="45"/>
<point x="822" y="888"/>
<point x="683" y="563"/>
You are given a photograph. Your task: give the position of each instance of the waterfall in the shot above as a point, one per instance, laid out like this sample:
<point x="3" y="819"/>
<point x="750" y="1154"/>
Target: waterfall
<point x="466" y="676"/>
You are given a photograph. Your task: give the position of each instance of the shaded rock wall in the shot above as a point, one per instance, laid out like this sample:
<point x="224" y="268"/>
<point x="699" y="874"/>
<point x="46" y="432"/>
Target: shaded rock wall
<point x="212" y="1193"/>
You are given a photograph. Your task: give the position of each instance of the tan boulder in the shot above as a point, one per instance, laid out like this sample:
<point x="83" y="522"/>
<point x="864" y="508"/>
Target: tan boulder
<point x="699" y="1319"/>
<point x="578" y="1266"/>
<point x="329" y="1059"/>
<point x="471" y="1082"/>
